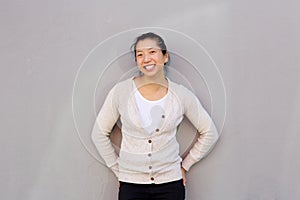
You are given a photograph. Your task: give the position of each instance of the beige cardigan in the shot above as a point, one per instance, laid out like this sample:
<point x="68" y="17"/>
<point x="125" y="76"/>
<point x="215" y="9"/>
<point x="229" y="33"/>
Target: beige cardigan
<point x="153" y="158"/>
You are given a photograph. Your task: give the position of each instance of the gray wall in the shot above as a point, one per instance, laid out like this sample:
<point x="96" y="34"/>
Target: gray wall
<point x="45" y="125"/>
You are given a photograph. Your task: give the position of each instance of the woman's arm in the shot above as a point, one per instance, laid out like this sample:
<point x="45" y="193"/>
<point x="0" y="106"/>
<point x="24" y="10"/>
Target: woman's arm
<point x="198" y="116"/>
<point x="104" y="123"/>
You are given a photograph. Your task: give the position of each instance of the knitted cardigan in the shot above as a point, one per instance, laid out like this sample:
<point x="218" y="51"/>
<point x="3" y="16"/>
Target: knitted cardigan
<point x="153" y="158"/>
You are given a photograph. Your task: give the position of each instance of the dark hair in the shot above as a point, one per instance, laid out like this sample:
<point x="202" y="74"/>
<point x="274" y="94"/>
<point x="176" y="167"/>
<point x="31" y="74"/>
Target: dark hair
<point x="160" y="42"/>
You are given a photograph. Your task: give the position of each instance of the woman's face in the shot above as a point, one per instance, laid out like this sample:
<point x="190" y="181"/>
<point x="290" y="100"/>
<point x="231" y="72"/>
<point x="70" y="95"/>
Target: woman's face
<point x="150" y="58"/>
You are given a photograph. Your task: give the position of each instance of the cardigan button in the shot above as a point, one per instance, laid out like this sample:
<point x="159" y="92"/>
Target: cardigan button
<point x="150" y="167"/>
<point x="152" y="179"/>
<point x="149" y="154"/>
<point x="149" y="141"/>
<point x="157" y="130"/>
<point x="163" y="116"/>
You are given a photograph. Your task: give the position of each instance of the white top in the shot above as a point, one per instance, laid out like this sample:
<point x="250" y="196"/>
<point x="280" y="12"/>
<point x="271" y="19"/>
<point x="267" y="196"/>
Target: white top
<point x="151" y="112"/>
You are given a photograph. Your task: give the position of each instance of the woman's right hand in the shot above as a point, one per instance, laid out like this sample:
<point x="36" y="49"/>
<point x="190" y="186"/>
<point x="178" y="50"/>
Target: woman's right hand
<point x="183" y="175"/>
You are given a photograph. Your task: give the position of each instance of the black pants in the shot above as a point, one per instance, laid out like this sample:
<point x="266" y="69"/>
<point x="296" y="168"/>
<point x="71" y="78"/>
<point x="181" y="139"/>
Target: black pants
<point x="168" y="191"/>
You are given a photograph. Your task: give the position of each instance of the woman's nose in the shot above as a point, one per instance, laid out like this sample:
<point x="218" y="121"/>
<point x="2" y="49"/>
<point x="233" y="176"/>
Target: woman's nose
<point x="147" y="58"/>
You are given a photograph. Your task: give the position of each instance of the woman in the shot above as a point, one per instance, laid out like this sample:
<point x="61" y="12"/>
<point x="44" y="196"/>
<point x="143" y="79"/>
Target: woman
<point x="151" y="107"/>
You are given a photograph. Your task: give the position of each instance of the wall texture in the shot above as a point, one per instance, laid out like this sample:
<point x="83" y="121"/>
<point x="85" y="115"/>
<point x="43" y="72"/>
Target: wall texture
<point x="46" y="150"/>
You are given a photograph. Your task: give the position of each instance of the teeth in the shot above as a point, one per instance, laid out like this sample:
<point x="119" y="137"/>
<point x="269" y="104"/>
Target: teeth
<point x="149" y="67"/>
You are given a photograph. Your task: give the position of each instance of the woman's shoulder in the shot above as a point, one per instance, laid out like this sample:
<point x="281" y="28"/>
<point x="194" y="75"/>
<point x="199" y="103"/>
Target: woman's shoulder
<point x="179" y="88"/>
<point x="123" y="86"/>
<point x="124" y="83"/>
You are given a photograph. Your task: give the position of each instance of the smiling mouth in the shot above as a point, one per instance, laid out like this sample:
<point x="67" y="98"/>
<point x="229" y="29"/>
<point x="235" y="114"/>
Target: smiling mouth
<point x="149" y="67"/>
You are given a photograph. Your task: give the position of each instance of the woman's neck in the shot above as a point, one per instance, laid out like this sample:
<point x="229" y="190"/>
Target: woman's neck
<point x="153" y="82"/>
<point x="151" y="89"/>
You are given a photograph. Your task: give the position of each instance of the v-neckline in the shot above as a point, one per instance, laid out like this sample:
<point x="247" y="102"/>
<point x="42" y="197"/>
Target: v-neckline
<point x="139" y="122"/>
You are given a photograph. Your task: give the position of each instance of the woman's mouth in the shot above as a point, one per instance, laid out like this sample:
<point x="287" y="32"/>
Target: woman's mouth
<point x="149" y="67"/>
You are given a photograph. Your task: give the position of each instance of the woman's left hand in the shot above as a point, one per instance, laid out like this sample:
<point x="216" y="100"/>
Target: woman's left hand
<point x="183" y="175"/>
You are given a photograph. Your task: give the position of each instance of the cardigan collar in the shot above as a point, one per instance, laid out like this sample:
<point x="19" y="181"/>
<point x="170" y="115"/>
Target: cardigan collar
<point x="135" y="114"/>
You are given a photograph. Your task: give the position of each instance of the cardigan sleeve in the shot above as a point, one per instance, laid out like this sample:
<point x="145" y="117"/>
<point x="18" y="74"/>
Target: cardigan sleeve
<point x="198" y="116"/>
<point x="104" y="123"/>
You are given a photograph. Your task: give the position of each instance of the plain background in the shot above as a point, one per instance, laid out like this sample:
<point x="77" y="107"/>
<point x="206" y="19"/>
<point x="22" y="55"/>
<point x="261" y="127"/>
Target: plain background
<point x="254" y="43"/>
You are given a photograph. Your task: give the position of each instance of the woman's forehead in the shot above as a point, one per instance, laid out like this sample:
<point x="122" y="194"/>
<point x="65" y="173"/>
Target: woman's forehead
<point x="147" y="48"/>
<point x="146" y="44"/>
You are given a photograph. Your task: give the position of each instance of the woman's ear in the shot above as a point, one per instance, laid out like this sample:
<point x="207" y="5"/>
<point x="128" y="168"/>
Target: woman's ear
<point x="166" y="58"/>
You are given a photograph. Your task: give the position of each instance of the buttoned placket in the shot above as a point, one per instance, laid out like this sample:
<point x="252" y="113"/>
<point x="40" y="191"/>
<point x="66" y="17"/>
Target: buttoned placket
<point x="150" y="142"/>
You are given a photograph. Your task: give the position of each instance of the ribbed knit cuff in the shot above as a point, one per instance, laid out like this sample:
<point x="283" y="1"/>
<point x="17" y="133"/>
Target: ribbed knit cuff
<point x="188" y="162"/>
<point x="115" y="169"/>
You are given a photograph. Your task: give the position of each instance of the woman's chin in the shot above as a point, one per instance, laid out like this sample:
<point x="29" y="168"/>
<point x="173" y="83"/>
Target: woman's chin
<point x="150" y="74"/>
<point x="153" y="73"/>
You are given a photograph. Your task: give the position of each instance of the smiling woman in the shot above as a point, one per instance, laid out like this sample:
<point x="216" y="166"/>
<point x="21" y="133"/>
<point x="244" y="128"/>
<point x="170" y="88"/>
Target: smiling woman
<point x="154" y="44"/>
<point x="151" y="107"/>
<point x="149" y="56"/>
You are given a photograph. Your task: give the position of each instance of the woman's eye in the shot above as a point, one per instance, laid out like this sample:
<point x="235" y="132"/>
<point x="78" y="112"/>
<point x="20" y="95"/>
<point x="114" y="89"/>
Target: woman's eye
<point x="139" y="55"/>
<point x="152" y="51"/>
